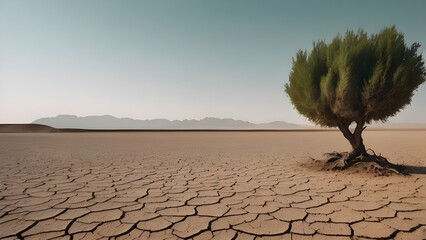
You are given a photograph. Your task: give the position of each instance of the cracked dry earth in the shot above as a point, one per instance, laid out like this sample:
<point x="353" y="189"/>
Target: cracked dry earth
<point x="204" y="185"/>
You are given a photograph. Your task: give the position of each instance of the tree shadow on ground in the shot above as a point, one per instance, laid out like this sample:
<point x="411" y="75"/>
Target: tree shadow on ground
<point x="407" y="169"/>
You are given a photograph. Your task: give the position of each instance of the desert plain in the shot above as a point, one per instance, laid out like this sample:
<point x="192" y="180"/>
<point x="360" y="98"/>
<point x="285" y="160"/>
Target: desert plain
<point x="206" y="185"/>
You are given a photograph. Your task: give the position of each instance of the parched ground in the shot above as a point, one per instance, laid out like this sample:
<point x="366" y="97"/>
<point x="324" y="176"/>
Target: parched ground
<point x="205" y="185"/>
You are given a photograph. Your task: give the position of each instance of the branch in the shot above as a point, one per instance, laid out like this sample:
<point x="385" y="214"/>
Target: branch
<point x="344" y="128"/>
<point x="359" y="128"/>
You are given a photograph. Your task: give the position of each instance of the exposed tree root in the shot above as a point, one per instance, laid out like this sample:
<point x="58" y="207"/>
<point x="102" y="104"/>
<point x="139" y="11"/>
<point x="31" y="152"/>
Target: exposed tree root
<point x="366" y="162"/>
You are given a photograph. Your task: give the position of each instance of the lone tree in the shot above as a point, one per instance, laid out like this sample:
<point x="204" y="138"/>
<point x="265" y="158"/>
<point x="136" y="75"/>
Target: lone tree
<point x="355" y="79"/>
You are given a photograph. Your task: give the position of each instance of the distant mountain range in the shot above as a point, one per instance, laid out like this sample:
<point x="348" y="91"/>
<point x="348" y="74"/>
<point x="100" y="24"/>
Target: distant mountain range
<point x="111" y="122"/>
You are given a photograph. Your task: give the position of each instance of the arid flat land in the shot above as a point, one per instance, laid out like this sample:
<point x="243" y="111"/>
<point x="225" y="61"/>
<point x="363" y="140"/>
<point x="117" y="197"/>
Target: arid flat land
<point x="204" y="185"/>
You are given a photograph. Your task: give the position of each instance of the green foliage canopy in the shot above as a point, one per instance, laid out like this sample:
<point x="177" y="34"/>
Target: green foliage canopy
<point x="355" y="78"/>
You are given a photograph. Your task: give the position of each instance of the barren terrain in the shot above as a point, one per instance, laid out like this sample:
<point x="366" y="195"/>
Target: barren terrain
<point x="204" y="185"/>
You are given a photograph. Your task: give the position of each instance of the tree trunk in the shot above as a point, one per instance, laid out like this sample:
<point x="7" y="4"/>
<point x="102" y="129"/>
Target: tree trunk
<point x="358" y="147"/>
<point x="340" y="161"/>
<point x="355" y="138"/>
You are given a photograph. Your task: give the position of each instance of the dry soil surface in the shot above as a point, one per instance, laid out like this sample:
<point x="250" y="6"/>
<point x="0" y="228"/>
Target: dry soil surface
<point x="205" y="185"/>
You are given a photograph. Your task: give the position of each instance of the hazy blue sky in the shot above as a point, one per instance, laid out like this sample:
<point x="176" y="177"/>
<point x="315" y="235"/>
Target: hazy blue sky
<point x="175" y="59"/>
